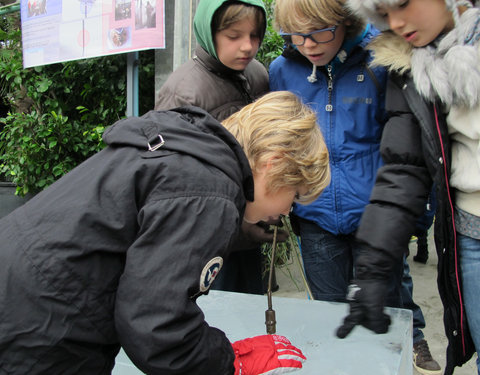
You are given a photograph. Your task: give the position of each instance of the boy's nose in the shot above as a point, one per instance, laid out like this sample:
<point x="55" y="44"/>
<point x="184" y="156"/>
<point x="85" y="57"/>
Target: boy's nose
<point x="395" y="22"/>
<point x="309" y="43"/>
<point x="247" y="44"/>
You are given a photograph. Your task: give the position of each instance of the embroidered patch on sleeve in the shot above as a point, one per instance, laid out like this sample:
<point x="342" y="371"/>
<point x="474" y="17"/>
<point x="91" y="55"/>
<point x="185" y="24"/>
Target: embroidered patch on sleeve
<point x="210" y="271"/>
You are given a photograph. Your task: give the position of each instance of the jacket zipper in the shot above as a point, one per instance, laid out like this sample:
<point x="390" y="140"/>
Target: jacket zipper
<point x="245" y="89"/>
<point x="452" y="212"/>
<point x="329" y="106"/>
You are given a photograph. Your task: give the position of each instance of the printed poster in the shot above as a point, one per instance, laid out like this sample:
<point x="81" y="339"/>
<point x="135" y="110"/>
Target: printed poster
<point x="62" y="30"/>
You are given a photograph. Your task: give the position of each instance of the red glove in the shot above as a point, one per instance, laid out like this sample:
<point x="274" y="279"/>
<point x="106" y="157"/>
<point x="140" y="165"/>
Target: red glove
<point x="272" y="354"/>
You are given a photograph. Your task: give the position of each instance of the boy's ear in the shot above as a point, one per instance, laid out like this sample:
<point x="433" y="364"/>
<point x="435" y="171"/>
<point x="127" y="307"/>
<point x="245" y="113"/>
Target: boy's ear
<point x="263" y="167"/>
<point x="271" y="161"/>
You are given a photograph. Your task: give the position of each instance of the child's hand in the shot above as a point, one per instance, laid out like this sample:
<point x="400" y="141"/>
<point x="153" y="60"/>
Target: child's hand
<point x="272" y="354"/>
<point x="261" y="232"/>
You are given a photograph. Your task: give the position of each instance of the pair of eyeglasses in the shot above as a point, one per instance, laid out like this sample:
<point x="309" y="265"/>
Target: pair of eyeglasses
<point x="318" y="36"/>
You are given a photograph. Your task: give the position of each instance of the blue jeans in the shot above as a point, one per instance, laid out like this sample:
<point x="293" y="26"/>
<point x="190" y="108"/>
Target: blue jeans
<point x="469" y="250"/>
<point x="328" y="260"/>
<point x="408" y="303"/>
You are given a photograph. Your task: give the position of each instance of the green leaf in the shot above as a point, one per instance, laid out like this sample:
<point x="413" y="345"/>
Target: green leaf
<point x="57" y="170"/>
<point x="43" y="86"/>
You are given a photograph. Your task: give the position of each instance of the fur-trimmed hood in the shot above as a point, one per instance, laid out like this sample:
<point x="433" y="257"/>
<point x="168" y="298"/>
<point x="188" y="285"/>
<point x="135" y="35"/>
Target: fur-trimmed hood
<point x="367" y="9"/>
<point x="448" y="69"/>
<point x="392" y="52"/>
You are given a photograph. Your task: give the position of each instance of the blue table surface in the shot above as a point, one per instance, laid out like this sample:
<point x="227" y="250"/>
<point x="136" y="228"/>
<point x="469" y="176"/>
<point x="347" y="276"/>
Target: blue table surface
<point x="309" y="325"/>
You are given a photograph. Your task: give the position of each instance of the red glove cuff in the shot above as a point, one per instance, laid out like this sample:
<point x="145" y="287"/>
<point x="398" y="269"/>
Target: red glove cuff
<point x="272" y="354"/>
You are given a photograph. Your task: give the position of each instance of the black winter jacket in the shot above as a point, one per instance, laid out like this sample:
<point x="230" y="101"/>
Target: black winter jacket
<point x="117" y="251"/>
<point x="415" y="149"/>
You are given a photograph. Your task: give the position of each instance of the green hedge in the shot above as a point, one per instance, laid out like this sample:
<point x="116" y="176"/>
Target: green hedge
<point x="54" y="115"/>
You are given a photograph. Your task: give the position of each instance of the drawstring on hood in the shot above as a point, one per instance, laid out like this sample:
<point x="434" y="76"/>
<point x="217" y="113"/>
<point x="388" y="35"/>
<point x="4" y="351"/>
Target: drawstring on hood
<point x="453" y="6"/>
<point x="313" y="77"/>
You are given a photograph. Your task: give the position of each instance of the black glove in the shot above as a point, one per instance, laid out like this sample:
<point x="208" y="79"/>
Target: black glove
<point x="366" y="298"/>
<point x="368" y="291"/>
<point x="254" y="235"/>
<point x="262" y="231"/>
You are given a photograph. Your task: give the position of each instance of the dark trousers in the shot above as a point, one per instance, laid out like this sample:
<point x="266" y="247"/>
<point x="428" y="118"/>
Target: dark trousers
<point x="241" y="273"/>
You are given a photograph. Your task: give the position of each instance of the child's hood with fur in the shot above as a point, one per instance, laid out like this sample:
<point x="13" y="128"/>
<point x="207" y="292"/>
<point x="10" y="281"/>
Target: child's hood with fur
<point x="448" y="69"/>
<point x="367" y="9"/>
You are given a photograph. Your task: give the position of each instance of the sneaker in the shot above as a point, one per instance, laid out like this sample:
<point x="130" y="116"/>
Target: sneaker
<point x="423" y="361"/>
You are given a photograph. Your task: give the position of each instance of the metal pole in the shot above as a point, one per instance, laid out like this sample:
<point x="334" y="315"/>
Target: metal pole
<point x="10" y="8"/>
<point x="132" y="84"/>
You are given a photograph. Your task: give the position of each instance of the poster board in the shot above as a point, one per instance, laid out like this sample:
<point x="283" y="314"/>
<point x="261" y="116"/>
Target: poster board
<point x="63" y="30"/>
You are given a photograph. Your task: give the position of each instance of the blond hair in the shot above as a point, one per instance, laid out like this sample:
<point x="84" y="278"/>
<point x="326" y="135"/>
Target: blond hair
<point x="279" y="129"/>
<point x="306" y="15"/>
<point x="232" y="12"/>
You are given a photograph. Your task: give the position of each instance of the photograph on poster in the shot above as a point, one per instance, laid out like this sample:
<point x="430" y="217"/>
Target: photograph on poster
<point x="123" y="9"/>
<point x="145" y="14"/>
<point x="119" y="37"/>
<point x="37" y="7"/>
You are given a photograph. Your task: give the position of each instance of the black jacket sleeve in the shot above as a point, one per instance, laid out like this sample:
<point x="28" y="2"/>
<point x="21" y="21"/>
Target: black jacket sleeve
<point x="159" y="324"/>
<point x="402" y="184"/>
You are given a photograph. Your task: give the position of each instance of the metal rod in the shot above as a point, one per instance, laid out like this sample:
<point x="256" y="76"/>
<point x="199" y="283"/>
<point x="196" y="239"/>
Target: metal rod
<point x="10" y="8"/>
<point x="302" y="271"/>
<point x="270" y="321"/>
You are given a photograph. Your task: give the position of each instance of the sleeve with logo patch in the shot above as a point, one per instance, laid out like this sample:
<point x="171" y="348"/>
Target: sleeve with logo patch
<point x="177" y="254"/>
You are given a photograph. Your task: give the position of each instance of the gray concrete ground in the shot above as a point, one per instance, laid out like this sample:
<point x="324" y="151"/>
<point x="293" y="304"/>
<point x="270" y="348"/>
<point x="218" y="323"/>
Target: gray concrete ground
<point x="425" y="294"/>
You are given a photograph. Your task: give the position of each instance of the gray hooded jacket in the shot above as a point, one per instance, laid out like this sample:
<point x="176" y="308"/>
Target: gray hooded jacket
<point x="205" y="82"/>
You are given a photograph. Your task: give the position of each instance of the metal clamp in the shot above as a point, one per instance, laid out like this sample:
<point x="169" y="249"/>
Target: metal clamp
<point x="159" y="143"/>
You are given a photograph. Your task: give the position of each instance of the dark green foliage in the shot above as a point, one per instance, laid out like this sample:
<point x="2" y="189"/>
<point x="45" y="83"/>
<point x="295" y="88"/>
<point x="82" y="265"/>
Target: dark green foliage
<point x="54" y="115"/>
<point x="272" y="45"/>
<point x="39" y="149"/>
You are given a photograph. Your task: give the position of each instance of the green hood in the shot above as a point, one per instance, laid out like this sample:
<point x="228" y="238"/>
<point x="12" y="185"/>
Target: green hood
<point x="203" y="21"/>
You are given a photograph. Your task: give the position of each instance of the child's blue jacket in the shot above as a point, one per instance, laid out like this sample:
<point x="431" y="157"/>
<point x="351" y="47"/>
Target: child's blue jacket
<point x="352" y="129"/>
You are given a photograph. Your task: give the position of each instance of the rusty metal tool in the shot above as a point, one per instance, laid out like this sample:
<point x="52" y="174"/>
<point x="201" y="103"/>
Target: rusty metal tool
<point x="270" y="321"/>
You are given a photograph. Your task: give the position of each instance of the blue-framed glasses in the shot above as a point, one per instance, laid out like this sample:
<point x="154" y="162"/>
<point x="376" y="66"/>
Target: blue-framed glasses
<point x="318" y="36"/>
